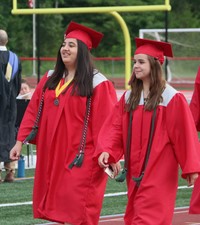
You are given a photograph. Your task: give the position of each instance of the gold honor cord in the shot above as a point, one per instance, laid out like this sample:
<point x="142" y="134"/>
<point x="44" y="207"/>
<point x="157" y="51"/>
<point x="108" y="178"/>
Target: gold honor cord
<point x="59" y="89"/>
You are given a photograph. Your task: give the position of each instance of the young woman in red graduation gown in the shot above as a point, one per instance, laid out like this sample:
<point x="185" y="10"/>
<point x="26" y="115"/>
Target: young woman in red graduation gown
<point x="69" y="189"/>
<point x="195" y="109"/>
<point x="162" y="136"/>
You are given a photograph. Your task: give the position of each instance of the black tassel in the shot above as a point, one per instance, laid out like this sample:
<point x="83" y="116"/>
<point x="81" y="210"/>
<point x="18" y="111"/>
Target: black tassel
<point x="78" y="161"/>
<point x="138" y="179"/>
<point x="31" y="136"/>
<point x="122" y="176"/>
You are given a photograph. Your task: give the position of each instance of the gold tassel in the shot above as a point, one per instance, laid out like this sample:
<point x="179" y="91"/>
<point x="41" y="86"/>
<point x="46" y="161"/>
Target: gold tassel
<point x="122" y="176"/>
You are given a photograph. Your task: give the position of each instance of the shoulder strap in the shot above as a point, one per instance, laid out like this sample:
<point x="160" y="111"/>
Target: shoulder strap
<point x="122" y="175"/>
<point x="34" y="130"/>
<point x="150" y="138"/>
<point x="138" y="179"/>
<point x="128" y="143"/>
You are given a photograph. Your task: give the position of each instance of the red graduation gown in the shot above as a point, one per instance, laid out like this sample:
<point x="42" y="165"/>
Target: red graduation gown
<point x="195" y="109"/>
<point x="62" y="194"/>
<point x="195" y="101"/>
<point x="175" y="143"/>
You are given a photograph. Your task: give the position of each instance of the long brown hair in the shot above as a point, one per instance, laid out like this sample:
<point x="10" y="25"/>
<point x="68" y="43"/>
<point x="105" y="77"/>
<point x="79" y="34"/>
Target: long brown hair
<point x="157" y="85"/>
<point x="83" y="79"/>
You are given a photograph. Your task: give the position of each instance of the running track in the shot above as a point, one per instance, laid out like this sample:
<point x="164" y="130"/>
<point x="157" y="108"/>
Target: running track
<point x="181" y="217"/>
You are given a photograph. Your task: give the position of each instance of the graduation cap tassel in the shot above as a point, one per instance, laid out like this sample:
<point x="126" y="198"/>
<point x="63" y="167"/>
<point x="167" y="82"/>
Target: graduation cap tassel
<point x="78" y="161"/>
<point x="73" y="162"/>
<point x="31" y="136"/>
<point x="122" y="176"/>
<point x="138" y="179"/>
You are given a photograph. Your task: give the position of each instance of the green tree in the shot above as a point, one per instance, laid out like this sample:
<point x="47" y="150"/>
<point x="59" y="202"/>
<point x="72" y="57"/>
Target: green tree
<point x="184" y="13"/>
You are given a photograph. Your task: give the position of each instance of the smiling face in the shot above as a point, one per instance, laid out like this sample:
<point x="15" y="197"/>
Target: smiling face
<point x="69" y="52"/>
<point x="141" y="67"/>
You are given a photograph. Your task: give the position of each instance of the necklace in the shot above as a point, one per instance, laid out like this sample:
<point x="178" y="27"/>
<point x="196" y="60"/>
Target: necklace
<point x="146" y="96"/>
<point x="145" y="100"/>
<point x="59" y="89"/>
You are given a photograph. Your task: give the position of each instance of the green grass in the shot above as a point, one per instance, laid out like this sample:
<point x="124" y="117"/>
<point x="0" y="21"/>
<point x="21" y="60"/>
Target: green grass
<point x="183" y="197"/>
<point x="21" y="191"/>
<point x="18" y="215"/>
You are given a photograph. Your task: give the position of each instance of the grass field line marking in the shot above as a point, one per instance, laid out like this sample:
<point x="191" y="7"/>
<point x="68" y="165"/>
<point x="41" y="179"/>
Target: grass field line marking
<point x="125" y="193"/>
<point x="29" y="203"/>
<point x="185" y="187"/>
<point x="29" y="178"/>
<point x="115" y="194"/>
<point x="108" y="216"/>
<point x="180" y="212"/>
<point x="24" y="178"/>
<point x="181" y="208"/>
<point x="110" y="220"/>
<point x="16" y="204"/>
<point x="105" y="195"/>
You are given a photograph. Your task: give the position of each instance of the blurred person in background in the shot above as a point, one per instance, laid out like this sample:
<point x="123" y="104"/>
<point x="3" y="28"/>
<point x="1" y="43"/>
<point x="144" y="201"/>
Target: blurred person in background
<point x="73" y="102"/>
<point x="22" y="102"/>
<point x="25" y="91"/>
<point x="153" y="127"/>
<point x="10" y="83"/>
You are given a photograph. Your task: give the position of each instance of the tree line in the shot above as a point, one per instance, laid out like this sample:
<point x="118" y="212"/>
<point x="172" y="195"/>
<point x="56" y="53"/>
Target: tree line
<point x="184" y="14"/>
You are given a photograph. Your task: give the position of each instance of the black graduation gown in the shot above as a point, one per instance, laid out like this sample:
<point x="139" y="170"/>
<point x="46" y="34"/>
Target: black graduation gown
<point x="8" y="107"/>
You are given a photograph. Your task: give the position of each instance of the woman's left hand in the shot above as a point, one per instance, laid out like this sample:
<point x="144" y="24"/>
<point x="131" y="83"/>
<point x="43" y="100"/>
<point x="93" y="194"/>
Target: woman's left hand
<point x="191" y="178"/>
<point x="116" y="168"/>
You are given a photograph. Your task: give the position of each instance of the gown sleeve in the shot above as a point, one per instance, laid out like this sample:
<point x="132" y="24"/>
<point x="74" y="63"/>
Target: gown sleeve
<point x="104" y="98"/>
<point x="195" y="101"/>
<point x="111" y="134"/>
<point x="183" y="135"/>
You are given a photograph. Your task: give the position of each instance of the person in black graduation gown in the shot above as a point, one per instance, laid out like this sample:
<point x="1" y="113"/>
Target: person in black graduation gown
<point x="10" y="84"/>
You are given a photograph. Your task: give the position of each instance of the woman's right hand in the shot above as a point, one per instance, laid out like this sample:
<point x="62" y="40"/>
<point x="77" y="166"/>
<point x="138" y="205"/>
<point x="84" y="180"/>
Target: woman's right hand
<point x="103" y="160"/>
<point x="16" y="151"/>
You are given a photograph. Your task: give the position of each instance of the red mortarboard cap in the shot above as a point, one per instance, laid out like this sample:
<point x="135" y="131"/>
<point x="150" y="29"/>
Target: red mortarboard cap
<point x="90" y="37"/>
<point x="157" y="49"/>
<point x="197" y="79"/>
<point x="195" y="101"/>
